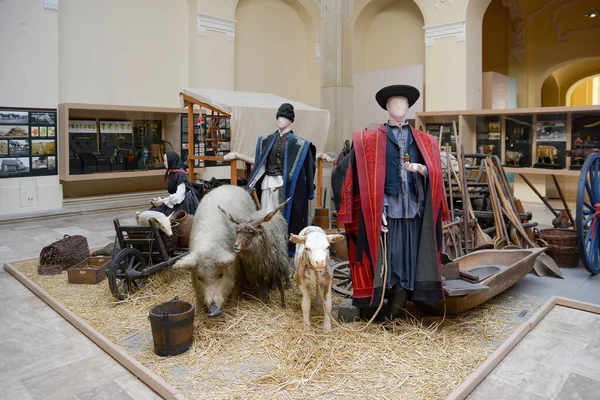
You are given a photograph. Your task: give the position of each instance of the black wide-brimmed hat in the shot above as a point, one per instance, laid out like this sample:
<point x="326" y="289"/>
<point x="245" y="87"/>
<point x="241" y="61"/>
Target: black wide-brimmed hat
<point x="411" y="93"/>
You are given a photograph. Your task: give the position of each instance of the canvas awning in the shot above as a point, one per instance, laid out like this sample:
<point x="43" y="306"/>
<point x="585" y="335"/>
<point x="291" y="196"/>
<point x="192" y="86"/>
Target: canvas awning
<point x="253" y="115"/>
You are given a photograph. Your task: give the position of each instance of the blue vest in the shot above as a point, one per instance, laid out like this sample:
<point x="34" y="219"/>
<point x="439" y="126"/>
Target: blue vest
<point x="415" y="182"/>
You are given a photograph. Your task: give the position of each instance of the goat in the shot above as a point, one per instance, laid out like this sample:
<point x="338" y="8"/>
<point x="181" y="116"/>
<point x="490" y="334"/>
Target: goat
<point x="313" y="266"/>
<point x="261" y="244"/>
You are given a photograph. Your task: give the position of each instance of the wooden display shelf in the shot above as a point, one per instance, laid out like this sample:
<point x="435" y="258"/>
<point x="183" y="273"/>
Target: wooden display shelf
<point x="113" y="174"/>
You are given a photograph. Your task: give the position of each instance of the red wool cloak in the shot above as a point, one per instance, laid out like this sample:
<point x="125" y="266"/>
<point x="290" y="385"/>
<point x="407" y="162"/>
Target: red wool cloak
<point x="361" y="209"/>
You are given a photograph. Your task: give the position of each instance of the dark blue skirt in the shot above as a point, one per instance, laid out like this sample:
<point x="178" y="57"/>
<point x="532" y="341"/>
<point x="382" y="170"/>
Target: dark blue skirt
<point x="402" y="249"/>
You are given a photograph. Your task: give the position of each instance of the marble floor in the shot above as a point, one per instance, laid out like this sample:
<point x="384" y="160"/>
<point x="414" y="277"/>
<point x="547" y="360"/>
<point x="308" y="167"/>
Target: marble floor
<point x="43" y="357"/>
<point x="559" y="359"/>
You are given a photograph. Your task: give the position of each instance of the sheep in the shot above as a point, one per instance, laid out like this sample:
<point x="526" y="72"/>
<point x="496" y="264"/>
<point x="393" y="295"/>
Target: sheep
<point x="162" y="221"/>
<point x="312" y="260"/>
<point x="215" y="268"/>
<point x="261" y="242"/>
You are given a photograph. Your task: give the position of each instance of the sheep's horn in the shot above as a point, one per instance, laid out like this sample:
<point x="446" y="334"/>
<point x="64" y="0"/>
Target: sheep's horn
<point x="229" y="216"/>
<point x="275" y="211"/>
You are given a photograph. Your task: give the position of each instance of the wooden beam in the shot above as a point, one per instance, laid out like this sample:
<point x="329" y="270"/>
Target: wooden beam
<point x="191" y="100"/>
<point x="233" y="172"/>
<point x="319" y="183"/>
<point x="191" y="141"/>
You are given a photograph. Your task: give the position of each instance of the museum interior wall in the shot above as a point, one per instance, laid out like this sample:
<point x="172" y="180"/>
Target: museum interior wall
<point x="389" y="47"/>
<point x="131" y="52"/>
<point x="28" y="77"/>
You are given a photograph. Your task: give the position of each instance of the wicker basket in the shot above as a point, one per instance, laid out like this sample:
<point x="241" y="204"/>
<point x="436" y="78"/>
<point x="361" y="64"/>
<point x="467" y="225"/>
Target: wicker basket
<point x="170" y="242"/>
<point x="558" y="237"/>
<point x="185" y="228"/>
<point x="63" y="254"/>
<point x="565" y="257"/>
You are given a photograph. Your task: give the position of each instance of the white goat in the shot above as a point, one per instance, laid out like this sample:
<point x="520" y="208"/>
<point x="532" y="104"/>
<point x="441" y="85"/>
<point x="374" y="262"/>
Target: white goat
<point x="312" y="260"/>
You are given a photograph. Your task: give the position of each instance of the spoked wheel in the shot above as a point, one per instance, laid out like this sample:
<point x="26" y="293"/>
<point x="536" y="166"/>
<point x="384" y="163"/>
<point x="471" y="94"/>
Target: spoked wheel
<point x="125" y="273"/>
<point x="588" y="214"/>
<point x="342" y="281"/>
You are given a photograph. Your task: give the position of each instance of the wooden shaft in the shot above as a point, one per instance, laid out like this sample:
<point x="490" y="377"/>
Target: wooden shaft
<point x="449" y="173"/>
<point x="319" y="182"/>
<point x="539" y="195"/>
<point x="564" y="201"/>
<point x="233" y="172"/>
<point x="191" y="141"/>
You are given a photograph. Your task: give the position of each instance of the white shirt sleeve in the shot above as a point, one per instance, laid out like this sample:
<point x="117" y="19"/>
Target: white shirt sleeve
<point x="177" y="197"/>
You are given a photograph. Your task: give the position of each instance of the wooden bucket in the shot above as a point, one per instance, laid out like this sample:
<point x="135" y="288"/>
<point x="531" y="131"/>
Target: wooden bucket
<point x="321" y="218"/>
<point x="172" y="324"/>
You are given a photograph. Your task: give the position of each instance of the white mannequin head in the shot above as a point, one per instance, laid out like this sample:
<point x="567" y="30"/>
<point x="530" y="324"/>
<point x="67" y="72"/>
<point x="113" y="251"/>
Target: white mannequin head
<point x="397" y="106"/>
<point x="165" y="162"/>
<point x="283" y="123"/>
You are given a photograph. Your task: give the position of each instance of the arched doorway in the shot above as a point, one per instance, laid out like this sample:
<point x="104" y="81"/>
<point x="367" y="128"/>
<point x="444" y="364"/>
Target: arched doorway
<point x="585" y="92"/>
<point x="389" y="48"/>
<point x="275" y="49"/>
<point x="561" y="82"/>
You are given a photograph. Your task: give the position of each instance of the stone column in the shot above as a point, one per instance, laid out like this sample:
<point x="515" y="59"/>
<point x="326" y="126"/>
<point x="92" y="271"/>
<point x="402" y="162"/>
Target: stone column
<point x="336" y="70"/>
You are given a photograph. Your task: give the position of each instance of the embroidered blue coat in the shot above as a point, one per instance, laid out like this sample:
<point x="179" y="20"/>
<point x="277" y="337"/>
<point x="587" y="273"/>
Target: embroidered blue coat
<point x="298" y="178"/>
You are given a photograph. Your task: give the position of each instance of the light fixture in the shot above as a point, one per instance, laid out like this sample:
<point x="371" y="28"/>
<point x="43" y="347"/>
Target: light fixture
<point x="593" y="14"/>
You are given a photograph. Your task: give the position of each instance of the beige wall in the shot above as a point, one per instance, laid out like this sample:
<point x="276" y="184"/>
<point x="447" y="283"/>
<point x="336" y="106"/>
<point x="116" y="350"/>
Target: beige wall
<point x="29" y="48"/>
<point x="275" y="50"/>
<point x="132" y="52"/>
<point x="496" y="21"/>
<point x="388" y="34"/>
<point x="550" y="92"/>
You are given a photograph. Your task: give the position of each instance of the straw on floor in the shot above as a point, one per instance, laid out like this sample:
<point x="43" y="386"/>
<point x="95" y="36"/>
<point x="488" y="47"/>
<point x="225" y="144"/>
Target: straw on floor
<point x="261" y="351"/>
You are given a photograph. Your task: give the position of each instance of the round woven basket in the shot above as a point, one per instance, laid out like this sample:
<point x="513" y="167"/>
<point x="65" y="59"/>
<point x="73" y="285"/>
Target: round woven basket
<point x="559" y="237"/>
<point x="185" y="228"/>
<point x="565" y="256"/>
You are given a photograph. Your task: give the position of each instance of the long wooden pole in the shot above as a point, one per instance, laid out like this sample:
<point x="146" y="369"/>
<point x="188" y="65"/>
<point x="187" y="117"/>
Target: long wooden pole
<point x="191" y="141"/>
<point x="319" y="182"/>
<point x="564" y="201"/>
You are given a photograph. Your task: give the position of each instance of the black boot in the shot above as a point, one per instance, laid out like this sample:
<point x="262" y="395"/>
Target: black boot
<point x="396" y="304"/>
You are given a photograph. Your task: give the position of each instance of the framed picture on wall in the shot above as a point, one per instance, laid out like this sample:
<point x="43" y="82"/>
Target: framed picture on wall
<point x="27" y="142"/>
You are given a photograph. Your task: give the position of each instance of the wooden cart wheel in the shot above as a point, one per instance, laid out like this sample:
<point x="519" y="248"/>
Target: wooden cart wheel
<point x="124" y="273"/>
<point x="342" y="281"/>
<point x="587" y="219"/>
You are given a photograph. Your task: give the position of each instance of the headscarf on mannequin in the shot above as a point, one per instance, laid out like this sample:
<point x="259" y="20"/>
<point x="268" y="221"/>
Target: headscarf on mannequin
<point x="175" y="164"/>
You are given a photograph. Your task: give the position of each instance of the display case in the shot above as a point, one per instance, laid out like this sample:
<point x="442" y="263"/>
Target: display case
<point x="212" y="137"/>
<point x="27" y="142"/>
<point x="488" y="131"/>
<point x="551" y="141"/>
<point x="149" y="144"/>
<point x="102" y="141"/>
<point x="444" y="129"/>
<point x="585" y="137"/>
<point x="518" y="137"/>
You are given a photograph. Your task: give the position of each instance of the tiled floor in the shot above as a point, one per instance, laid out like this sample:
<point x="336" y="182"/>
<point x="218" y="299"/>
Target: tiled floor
<point x="559" y="359"/>
<point x="43" y="357"/>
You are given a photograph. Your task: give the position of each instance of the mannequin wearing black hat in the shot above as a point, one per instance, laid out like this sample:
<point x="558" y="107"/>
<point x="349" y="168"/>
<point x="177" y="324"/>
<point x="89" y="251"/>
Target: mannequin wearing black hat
<point x="285" y="167"/>
<point x="393" y="172"/>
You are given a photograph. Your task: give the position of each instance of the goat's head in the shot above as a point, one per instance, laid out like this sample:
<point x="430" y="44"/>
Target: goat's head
<point x="247" y="231"/>
<point x="316" y="246"/>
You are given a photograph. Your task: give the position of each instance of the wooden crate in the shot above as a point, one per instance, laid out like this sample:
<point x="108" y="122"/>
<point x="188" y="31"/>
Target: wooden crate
<point x="90" y="271"/>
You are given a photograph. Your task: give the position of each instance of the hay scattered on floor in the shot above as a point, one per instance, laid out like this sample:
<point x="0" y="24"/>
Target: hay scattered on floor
<point x="259" y="351"/>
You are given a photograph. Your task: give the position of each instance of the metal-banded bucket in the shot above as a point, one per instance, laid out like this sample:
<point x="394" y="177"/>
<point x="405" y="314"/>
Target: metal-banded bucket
<point x="172" y="324"/>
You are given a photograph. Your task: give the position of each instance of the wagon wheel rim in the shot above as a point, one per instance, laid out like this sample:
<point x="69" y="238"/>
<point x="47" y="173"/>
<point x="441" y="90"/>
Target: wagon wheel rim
<point x="587" y="220"/>
<point x="342" y="280"/>
<point x="121" y="273"/>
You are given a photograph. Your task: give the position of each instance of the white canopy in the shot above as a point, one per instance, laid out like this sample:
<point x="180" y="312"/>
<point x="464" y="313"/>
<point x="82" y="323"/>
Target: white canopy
<point x="253" y="115"/>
